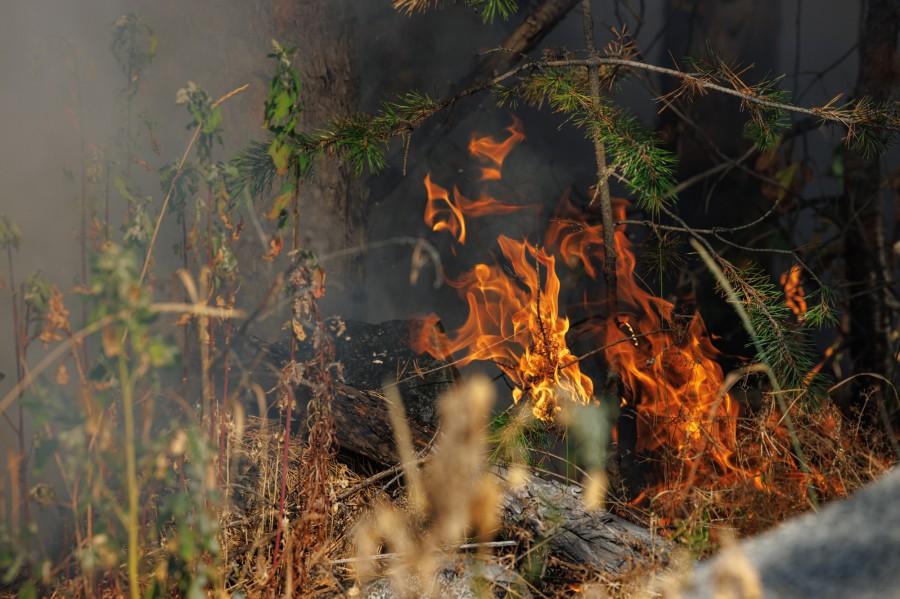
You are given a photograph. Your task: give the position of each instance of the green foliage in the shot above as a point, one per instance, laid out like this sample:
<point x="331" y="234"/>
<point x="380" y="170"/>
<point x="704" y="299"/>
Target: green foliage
<point x="115" y="291"/>
<point x="134" y="47"/>
<point x="37" y="293"/>
<point x="766" y="124"/>
<point x="360" y="140"/>
<point x="514" y="433"/>
<point x="206" y="117"/>
<point x="283" y="104"/>
<point x="648" y="168"/>
<point x="491" y="9"/>
<point x="10" y="234"/>
<point x="254" y="171"/>
<point x="187" y="518"/>
<point x="185" y="185"/>
<point x="874" y="125"/>
<point x="663" y="253"/>
<point x="633" y="150"/>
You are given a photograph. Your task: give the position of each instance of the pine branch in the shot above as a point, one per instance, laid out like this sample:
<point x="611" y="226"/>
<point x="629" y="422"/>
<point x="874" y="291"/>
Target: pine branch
<point x="489" y="9"/>
<point x="860" y="118"/>
<point x="564" y="84"/>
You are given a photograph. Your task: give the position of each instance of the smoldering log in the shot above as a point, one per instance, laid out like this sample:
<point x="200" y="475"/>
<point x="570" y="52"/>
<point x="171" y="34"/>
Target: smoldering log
<point x="545" y="510"/>
<point x="370" y="355"/>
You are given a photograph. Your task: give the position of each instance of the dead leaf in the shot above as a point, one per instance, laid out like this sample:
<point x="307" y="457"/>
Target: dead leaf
<point x="56" y="321"/>
<point x="299" y="333"/>
<point x="279" y="204"/>
<point x="111" y="341"/>
<point x="62" y="375"/>
<point x="276" y="244"/>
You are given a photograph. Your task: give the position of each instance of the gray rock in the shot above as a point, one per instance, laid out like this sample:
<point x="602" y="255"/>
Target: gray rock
<point x="851" y="548"/>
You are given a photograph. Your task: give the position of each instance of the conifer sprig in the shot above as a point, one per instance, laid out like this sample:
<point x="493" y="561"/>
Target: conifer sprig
<point x="782" y="342"/>
<point x="635" y="153"/>
<point x="489" y="9"/>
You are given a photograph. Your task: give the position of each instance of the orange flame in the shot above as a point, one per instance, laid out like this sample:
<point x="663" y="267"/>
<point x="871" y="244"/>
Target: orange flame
<point x="794" y="294"/>
<point x="443" y="213"/>
<point x="491" y="150"/>
<point x="669" y="369"/>
<point x="514" y="321"/>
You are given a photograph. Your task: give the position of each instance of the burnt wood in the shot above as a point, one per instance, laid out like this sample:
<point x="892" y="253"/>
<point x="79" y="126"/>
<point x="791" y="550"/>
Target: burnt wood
<point x="371" y="355"/>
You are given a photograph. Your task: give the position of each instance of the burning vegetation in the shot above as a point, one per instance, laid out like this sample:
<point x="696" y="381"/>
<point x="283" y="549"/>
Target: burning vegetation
<point x="189" y="458"/>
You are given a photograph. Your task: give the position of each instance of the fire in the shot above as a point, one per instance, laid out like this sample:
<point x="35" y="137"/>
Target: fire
<point x="514" y="322"/>
<point x="794" y="295"/>
<point x="666" y="362"/>
<point x="443" y="213"/>
<point x="670" y="371"/>
<point x="490" y="150"/>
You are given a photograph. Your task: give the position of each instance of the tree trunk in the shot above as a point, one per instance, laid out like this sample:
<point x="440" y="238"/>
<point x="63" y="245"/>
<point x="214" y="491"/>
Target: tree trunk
<point x="861" y="204"/>
<point x="333" y="200"/>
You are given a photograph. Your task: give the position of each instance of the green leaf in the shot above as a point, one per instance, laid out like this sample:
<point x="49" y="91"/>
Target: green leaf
<point x="121" y="185"/>
<point x="785" y="177"/>
<point x="28" y="591"/>
<point x="160" y="353"/>
<point x="491" y="9"/>
<point x="10" y="235"/>
<point x="213" y="121"/>
<point x="281" y="107"/>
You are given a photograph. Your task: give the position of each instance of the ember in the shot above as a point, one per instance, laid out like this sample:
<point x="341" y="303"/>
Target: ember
<point x="794" y="294"/>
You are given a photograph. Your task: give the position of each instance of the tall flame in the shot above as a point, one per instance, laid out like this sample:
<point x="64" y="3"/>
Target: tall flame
<point x="514" y="321"/>
<point x="669" y="370"/>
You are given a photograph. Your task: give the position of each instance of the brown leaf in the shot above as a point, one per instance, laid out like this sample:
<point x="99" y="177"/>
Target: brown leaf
<point x="276" y="244"/>
<point x="112" y="341"/>
<point x="56" y="321"/>
<point x="62" y="375"/>
<point x="299" y="333"/>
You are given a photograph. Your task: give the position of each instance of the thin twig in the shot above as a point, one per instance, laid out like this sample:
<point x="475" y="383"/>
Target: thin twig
<point x="885" y="419"/>
<point x="57" y="352"/>
<point x="377" y="477"/>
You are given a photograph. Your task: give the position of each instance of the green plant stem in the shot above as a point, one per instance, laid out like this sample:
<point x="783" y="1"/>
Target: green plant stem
<point x="738" y="306"/>
<point x="131" y="476"/>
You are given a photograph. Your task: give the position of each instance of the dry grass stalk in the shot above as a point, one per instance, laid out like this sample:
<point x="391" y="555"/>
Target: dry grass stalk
<point x="460" y="498"/>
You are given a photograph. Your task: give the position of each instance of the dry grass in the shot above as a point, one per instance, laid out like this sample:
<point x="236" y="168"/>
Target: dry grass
<point x="384" y="539"/>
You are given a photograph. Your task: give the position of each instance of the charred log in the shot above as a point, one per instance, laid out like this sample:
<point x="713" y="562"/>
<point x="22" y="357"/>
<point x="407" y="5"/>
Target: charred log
<point x="371" y="355"/>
